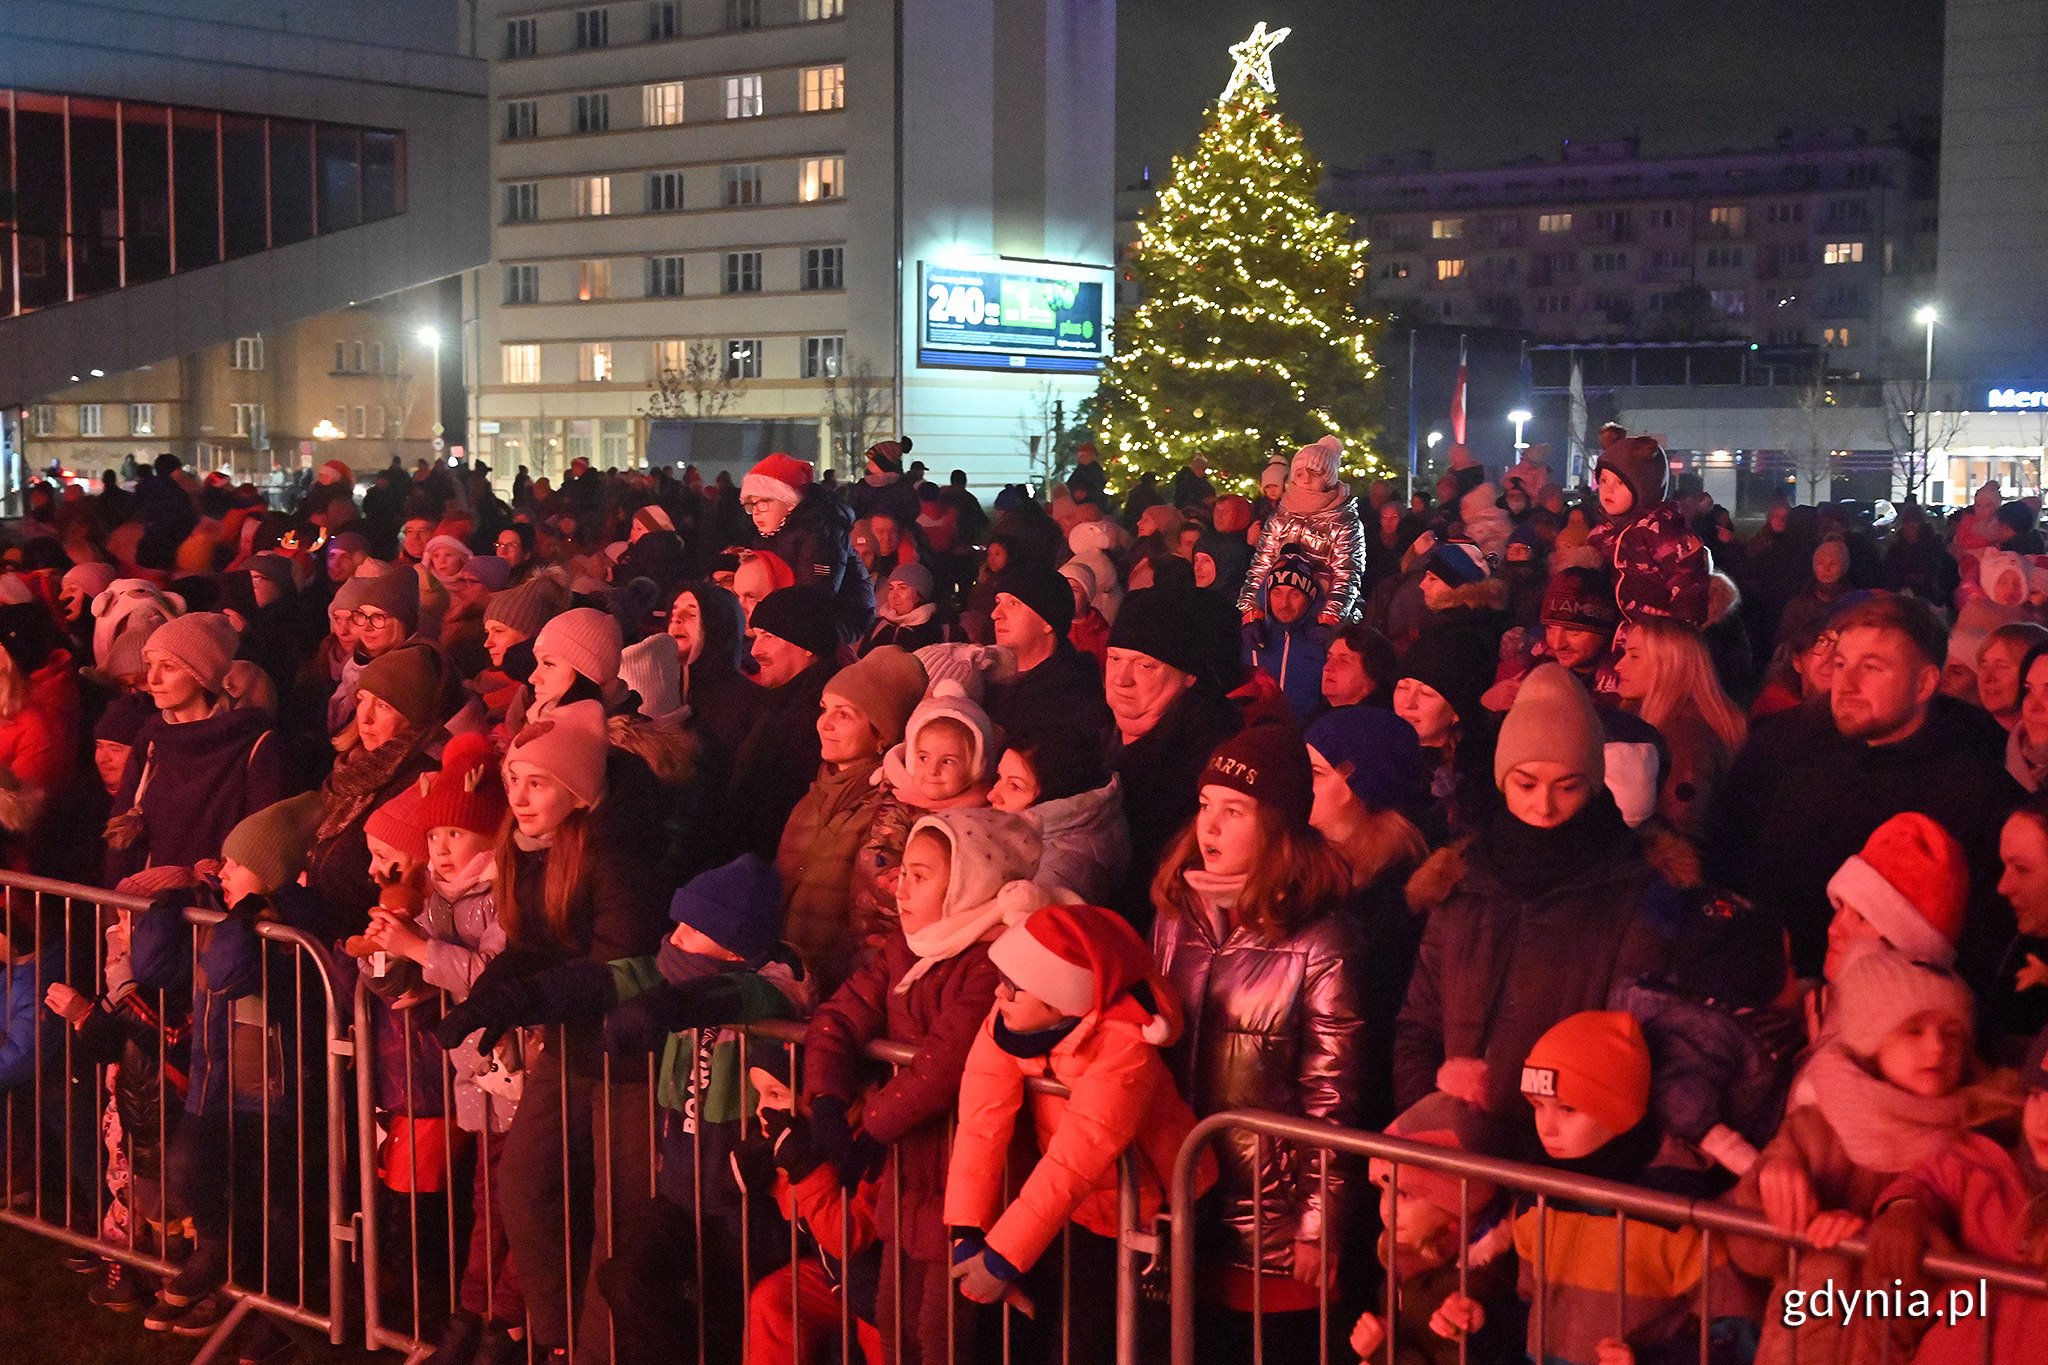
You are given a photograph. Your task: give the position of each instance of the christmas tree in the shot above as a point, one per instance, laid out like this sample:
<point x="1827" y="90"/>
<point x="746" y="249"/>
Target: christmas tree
<point x="1248" y="343"/>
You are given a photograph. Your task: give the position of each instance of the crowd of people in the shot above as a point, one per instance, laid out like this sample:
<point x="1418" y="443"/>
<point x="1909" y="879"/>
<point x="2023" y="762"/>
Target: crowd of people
<point x="1572" y="827"/>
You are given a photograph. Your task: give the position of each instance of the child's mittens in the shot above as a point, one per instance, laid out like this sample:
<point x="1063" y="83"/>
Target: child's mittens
<point x="1368" y="1334"/>
<point x="831" y="1138"/>
<point x="1729" y="1148"/>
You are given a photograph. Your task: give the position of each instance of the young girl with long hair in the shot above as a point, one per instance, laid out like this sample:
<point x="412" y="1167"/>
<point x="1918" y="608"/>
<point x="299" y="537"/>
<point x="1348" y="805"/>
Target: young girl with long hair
<point x="1667" y="677"/>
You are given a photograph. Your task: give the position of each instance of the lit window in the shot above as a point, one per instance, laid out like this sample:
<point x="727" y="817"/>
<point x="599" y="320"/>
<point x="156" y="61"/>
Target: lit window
<point x="1842" y="253"/>
<point x="1451" y="269"/>
<point x="742" y="185"/>
<point x="248" y="353"/>
<point x="823" y="9"/>
<point x="593" y="28"/>
<point x="593" y="280"/>
<point x="92" y="419"/>
<point x="824" y="88"/>
<point x="594" y="366"/>
<point x="520" y="364"/>
<point x="665" y="192"/>
<point x="593" y="113"/>
<point x="1554" y="222"/>
<point x="1835" y="336"/>
<point x="743" y="97"/>
<point x="142" y="419"/>
<point x="742" y="272"/>
<point x="1732" y="217"/>
<point x="671" y="357"/>
<point x="1446" y="229"/>
<point x="593" y="196"/>
<point x="661" y="105"/>
<point x="43" y="420"/>
<point x="664" y="277"/>
<point x="824" y="267"/>
<point x="824" y="357"/>
<point x="522" y="284"/>
<point x="522" y="119"/>
<point x="824" y="178"/>
<point x="743" y="359"/>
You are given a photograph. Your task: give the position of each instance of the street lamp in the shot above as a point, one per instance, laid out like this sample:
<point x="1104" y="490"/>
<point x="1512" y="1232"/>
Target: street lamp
<point x="1926" y="316"/>
<point x="1521" y="417"/>
<point x="325" y="430"/>
<point x="1435" y="437"/>
<point x="430" y="337"/>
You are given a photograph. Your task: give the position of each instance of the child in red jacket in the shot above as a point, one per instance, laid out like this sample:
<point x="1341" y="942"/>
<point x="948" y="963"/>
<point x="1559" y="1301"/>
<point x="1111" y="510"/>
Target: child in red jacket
<point x="1082" y="1004"/>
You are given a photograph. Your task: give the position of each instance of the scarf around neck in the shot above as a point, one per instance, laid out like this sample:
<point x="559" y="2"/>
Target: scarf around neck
<point x="1219" y="896"/>
<point x="962" y="929"/>
<point x="359" y="778"/>
<point x="1880" y="1126"/>
<point x="1304" y="502"/>
<point x="1532" y="861"/>
<point x="916" y="616"/>
<point x="478" y="876"/>
<point x="2027" y="764"/>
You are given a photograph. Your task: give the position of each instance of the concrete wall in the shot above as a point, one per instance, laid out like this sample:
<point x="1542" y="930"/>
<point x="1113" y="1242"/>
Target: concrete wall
<point x="284" y="57"/>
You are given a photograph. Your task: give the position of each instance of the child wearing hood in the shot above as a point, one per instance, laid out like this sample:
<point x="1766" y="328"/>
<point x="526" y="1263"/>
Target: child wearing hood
<point x="930" y="985"/>
<point x="1089" y="632"/>
<point x="1977" y="1198"/>
<point x="946" y="760"/>
<point x="1588" y="1080"/>
<point x="1081" y="1004"/>
<point x="1660" y="566"/>
<point x="1316" y="514"/>
<point x="1888" y="1096"/>
<point x="1285" y="642"/>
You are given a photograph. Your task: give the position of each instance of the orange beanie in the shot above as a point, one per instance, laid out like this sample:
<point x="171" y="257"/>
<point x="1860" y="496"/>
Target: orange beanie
<point x="1598" y="1063"/>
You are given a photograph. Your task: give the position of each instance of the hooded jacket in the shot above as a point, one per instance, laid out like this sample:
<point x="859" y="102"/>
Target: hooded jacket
<point x="1291" y="656"/>
<point x="1085" y="843"/>
<point x="774" y="765"/>
<point x="1268" y="1025"/>
<point x="721" y="698"/>
<point x="1119" y="1095"/>
<point x="815" y="542"/>
<point x="815" y="859"/>
<point x="1333" y="538"/>
<point x="193" y="783"/>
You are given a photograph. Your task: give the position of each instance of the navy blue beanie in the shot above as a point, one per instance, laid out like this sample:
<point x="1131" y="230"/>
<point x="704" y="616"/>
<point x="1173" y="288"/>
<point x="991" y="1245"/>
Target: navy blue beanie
<point x="1382" y="749"/>
<point x="737" y="906"/>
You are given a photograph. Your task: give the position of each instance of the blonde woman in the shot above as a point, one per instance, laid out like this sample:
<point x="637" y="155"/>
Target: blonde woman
<point x="1667" y="677"/>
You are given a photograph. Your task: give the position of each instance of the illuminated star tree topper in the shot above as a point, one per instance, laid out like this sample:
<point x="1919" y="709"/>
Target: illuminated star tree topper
<point x="1247" y="342"/>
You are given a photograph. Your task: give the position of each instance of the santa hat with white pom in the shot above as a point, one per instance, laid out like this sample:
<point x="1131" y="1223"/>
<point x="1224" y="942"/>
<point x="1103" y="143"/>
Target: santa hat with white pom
<point x="1084" y="961"/>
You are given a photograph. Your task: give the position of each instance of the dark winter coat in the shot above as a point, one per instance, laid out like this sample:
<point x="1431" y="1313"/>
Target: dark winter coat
<point x="1291" y="656"/>
<point x="1161" y="776"/>
<point x="776" y="762"/>
<point x="1064" y="690"/>
<point x="131" y="1034"/>
<point x="1500" y="965"/>
<point x="939" y="1016"/>
<point x="203" y="777"/>
<point x="815" y="543"/>
<point x="1708" y="1066"/>
<point x="1799" y="800"/>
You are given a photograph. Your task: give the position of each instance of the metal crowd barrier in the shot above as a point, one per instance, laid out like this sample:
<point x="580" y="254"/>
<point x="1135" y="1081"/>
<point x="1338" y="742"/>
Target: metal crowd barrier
<point x="1713" y="1219"/>
<point x="53" y="1144"/>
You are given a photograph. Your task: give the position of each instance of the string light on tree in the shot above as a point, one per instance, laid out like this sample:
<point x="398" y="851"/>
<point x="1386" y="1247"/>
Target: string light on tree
<point x="1248" y="342"/>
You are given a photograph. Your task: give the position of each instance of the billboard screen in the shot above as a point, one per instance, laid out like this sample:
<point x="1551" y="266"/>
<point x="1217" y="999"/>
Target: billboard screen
<point x="1011" y="320"/>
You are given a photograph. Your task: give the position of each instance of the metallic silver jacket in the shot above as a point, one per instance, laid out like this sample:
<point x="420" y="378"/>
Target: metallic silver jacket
<point x="1335" y="539"/>
<point x="1269" y="1026"/>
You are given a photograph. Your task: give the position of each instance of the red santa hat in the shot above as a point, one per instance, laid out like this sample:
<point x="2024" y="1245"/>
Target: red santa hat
<point x="1080" y="960"/>
<point x="1910" y="881"/>
<point x="780" y="477"/>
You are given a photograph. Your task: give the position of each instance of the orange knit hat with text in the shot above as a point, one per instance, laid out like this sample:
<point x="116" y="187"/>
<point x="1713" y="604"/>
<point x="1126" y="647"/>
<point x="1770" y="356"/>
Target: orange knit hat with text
<point x="1598" y="1063"/>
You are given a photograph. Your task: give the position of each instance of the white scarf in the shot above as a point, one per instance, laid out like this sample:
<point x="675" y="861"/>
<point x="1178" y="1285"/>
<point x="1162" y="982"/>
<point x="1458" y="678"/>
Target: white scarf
<point x="916" y="616"/>
<point x="478" y="876"/>
<point x="1880" y="1126"/>
<point x="1219" y="896"/>
<point x="962" y="929"/>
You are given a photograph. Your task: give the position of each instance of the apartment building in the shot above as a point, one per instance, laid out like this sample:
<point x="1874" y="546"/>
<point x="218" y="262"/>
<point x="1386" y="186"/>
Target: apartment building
<point x="1825" y="240"/>
<point x="755" y="197"/>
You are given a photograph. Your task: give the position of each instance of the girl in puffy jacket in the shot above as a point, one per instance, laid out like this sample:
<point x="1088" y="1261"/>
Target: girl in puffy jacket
<point x="1248" y="935"/>
<point x="1317" y="519"/>
<point x="1081" y="1004"/>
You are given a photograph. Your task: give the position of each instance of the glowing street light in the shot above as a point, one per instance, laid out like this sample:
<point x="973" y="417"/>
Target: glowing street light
<point x="1521" y="417"/>
<point x="325" y="430"/>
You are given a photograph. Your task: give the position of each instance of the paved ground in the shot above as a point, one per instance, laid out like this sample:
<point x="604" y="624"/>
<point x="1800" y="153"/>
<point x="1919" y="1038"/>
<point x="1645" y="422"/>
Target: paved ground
<point x="44" y="1316"/>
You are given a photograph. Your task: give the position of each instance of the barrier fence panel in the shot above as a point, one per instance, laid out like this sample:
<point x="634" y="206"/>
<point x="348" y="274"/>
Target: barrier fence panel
<point x="247" y="1190"/>
<point x="1962" y="1287"/>
<point x="738" y="1279"/>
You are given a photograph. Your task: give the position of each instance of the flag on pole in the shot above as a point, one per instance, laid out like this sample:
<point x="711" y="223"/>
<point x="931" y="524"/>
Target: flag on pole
<point x="1458" y="398"/>
<point x="1575" y="471"/>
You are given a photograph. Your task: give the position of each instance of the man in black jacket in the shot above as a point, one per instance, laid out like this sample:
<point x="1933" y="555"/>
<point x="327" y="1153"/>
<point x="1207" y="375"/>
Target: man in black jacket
<point x="1801" y="799"/>
<point x="1056" y="684"/>
<point x="795" y="648"/>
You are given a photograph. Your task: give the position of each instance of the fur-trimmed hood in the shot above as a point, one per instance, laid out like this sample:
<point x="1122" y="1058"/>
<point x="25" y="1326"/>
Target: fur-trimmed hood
<point x="1668" y="853"/>
<point x="665" y="746"/>
<point x="1488" y="594"/>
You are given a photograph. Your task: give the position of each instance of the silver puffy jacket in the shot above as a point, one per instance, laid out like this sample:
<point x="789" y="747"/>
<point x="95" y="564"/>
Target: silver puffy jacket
<point x="1269" y="1026"/>
<point x="1334" y="538"/>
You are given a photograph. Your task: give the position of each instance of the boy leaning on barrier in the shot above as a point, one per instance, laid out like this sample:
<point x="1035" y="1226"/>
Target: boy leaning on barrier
<point x="239" y="1075"/>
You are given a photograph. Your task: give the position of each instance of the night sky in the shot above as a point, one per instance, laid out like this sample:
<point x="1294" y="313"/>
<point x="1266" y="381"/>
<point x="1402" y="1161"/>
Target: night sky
<point x="1486" y="81"/>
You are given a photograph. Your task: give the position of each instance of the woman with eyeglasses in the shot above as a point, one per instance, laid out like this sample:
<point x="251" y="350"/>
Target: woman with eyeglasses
<point x="383" y="613"/>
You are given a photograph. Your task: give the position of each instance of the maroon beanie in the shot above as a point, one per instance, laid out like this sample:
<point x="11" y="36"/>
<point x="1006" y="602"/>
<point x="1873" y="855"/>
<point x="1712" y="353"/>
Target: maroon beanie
<point x="1268" y="763"/>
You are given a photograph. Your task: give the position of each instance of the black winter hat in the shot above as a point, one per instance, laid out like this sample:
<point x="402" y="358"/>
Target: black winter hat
<point x="801" y="615"/>
<point x="123" y="719"/>
<point x="1046" y="592"/>
<point x="1169" y="625"/>
<point x="1268" y="763"/>
<point x="1581" y="599"/>
<point x="28" y="634"/>
<point x="1457" y="664"/>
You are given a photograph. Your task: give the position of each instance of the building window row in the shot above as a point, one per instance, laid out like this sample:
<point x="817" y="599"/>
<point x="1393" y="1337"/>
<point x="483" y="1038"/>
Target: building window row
<point x="1842" y="253"/>
<point x="593" y="28"/>
<point x="736" y="358"/>
<point x="822" y="90"/>
<point x="248" y="354"/>
<point x="820" y="179"/>
<point x="246" y="419"/>
<point x="741" y="272"/>
<point x="357" y="357"/>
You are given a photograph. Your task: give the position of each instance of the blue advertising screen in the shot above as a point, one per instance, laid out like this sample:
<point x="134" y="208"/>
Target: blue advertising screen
<point x="1012" y="320"/>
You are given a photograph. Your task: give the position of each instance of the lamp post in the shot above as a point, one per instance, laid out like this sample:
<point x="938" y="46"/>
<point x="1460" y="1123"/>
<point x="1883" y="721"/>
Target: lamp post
<point x="430" y="338"/>
<point x="1926" y="316"/>
<point x="325" y="430"/>
<point x="1521" y="417"/>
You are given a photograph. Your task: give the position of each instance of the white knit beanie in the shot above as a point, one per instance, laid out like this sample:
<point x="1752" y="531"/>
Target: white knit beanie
<point x="948" y="700"/>
<point x="654" y="670"/>
<point x="1881" y="989"/>
<point x="1320" y="460"/>
<point x="584" y="638"/>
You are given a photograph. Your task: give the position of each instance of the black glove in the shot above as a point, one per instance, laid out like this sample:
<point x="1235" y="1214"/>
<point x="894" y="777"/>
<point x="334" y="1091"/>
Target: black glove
<point x="831" y="1139"/>
<point x="789" y="1137"/>
<point x="635" y="1029"/>
<point x="753" y="1166"/>
<point x="495" y="1006"/>
<point x="864" y="1162"/>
